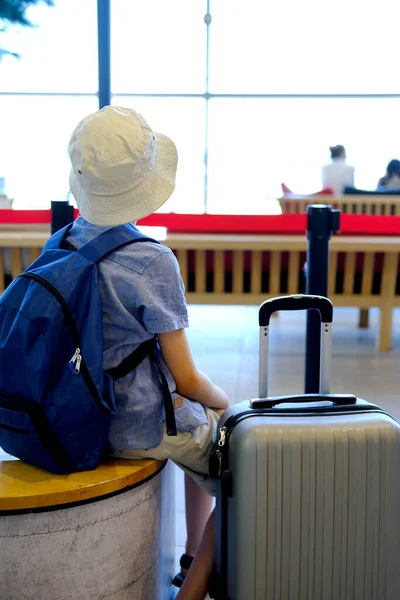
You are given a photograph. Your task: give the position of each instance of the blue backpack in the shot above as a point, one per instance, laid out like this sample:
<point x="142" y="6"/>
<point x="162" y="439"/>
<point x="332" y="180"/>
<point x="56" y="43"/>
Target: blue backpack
<point x="56" y="400"/>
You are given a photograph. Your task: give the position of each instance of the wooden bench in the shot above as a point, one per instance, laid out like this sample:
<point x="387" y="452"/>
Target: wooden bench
<point x="363" y="204"/>
<point x="247" y="269"/>
<point x="107" y="533"/>
<point x="240" y="269"/>
<point x="379" y="204"/>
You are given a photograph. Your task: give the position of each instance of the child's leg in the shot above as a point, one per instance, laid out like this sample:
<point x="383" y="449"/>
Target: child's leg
<point x="196" y="582"/>
<point x="198" y="509"/>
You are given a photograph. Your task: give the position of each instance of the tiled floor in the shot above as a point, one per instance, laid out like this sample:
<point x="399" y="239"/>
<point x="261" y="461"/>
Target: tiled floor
<point x="224" y="342"/>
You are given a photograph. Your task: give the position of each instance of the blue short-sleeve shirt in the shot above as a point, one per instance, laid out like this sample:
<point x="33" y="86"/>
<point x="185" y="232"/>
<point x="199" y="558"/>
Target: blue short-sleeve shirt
<point x="142" y="295"/>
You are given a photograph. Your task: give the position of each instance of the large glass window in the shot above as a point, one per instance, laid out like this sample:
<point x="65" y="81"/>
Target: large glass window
<point x="33" y="148"/>
<point x="279" y="83"/>
<point x="158" y="46"/>
<point x="59" y="54"/>
<point x="253" y="93"/>
<point x="256" y="144"/>
<point x="307" y="47"/>
<point x="43" y="95"/>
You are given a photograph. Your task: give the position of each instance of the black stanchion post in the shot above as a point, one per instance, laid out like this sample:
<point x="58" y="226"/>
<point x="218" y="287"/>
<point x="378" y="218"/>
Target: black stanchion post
<point x="322" y="221"/>
<point x="62" y="213"/>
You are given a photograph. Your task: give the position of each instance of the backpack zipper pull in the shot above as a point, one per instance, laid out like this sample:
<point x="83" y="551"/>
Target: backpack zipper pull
<point x="75" y="362"/>
<point x="78" y="364"/>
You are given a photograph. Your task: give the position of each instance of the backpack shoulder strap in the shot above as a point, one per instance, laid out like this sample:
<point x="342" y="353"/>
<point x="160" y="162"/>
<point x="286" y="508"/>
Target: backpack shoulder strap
<point x="110" y="240"/>
<point x="132" y="361"/>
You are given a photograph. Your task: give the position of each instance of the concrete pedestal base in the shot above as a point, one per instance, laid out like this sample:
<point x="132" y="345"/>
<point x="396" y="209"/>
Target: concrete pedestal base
<point x="119" y="548"/>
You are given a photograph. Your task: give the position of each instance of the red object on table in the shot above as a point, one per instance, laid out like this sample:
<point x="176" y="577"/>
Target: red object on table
<point x="296" y="224"/>
<point x="363" y="225"/>
<point x="203" y="223"/>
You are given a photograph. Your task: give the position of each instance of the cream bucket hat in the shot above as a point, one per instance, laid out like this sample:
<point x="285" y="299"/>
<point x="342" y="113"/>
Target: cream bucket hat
<point x="121" y="170"/>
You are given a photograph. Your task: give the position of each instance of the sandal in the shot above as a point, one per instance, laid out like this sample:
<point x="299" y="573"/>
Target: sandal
<point x="185" y="562"/>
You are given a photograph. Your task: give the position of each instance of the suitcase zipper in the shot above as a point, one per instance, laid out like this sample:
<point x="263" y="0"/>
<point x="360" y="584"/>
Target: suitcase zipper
<point x="77" y="362"/>
<point x="224" y="435"/>
<point x="230" y="423"/>
<point x="225" y="432"/>
<point x="218" y="452"/>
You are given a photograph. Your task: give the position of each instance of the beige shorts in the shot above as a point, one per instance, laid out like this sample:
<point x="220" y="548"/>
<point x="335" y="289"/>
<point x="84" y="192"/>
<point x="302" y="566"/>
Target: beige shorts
<point x="190" y="451"/>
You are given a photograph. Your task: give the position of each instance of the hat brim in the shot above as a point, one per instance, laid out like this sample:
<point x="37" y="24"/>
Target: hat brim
<point x="145" y="198"/>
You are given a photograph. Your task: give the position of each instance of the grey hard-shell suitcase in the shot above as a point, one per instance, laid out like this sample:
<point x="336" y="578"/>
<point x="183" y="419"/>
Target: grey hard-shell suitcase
<point x="308" y="505"/>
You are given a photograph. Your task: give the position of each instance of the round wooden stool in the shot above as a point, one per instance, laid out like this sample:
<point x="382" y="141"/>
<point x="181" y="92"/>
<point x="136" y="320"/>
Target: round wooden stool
<point x="100" y="534"/>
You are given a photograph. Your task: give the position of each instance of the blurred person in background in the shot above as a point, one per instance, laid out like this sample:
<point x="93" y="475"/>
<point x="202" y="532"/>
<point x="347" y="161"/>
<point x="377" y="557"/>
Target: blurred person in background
<point x="391" y="179"/>
<point x="337" y="174"/>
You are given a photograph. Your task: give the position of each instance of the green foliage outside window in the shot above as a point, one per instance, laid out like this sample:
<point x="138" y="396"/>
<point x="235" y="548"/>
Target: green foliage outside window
<point x="13" y="12"/>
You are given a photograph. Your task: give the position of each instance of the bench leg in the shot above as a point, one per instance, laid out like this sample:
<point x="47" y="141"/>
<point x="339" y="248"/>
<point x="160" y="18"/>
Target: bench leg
<point x="385" y="328"/>
<point x="363" y="321"/>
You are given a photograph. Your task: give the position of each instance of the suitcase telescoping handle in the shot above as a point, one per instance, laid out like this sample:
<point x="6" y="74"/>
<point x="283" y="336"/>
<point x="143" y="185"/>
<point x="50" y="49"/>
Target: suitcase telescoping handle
<point x="297" y="302"/>
<point x="338" y="399"/>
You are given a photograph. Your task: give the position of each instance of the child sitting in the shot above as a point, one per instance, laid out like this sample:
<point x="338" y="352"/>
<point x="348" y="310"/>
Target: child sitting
<point x="121" y="172"/>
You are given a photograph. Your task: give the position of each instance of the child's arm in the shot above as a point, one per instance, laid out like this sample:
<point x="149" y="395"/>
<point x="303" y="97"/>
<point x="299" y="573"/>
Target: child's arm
<point x="190" y="382"/>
